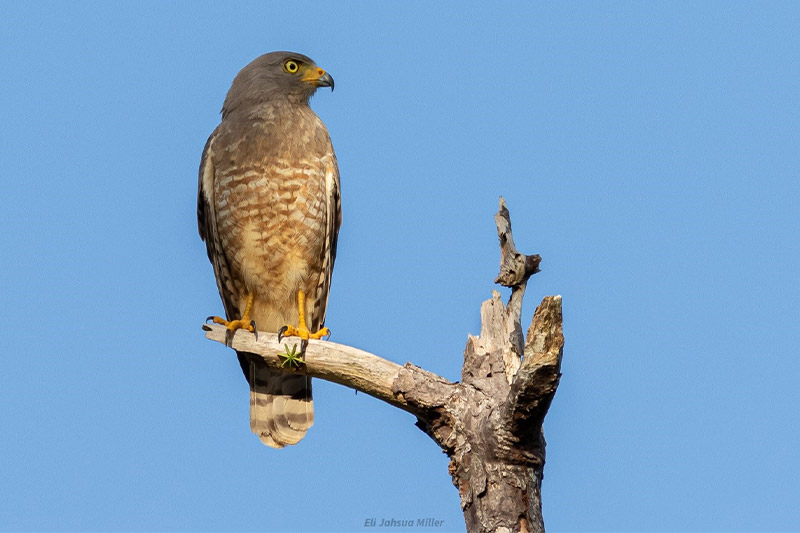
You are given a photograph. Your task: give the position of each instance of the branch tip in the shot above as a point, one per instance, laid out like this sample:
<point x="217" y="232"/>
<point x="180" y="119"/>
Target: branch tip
<point x="515" y="267"/>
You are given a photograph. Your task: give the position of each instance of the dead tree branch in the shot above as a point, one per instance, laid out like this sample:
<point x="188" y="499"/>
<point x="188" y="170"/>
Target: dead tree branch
<point x="346" y="366"/>
<point x="489" y="424"/>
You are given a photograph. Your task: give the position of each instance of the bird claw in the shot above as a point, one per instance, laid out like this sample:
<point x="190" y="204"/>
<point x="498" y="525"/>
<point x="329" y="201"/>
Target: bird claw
<point x="281" y="332"/>
<point x="231" y="326"/>
<point x="303" y="333"/>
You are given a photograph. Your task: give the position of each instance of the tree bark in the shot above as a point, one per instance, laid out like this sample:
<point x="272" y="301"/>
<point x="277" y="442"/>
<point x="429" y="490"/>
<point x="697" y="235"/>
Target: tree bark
<point x="489" y="424"/>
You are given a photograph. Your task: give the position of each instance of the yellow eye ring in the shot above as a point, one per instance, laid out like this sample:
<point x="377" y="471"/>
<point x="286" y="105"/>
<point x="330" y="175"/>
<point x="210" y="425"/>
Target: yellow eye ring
<point x="291" y="66"/>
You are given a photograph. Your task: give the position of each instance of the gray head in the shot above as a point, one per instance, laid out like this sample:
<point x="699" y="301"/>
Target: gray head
<point x="279" y="77"/>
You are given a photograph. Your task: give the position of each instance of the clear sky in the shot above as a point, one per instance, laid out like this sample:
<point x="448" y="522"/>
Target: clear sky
<point x="648" y="151"/>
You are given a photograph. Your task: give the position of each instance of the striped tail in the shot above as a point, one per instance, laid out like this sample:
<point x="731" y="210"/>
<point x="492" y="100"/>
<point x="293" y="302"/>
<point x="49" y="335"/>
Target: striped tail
<point x="281" y="407"/>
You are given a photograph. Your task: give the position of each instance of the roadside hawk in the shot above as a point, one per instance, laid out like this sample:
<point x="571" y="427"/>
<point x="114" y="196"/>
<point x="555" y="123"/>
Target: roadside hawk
<point x="269" y="211"/>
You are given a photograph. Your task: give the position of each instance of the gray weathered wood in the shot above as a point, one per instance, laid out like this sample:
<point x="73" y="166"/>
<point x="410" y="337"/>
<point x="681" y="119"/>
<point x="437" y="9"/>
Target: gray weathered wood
<point x="340" y="364"/>
<point x="489" y="424"/>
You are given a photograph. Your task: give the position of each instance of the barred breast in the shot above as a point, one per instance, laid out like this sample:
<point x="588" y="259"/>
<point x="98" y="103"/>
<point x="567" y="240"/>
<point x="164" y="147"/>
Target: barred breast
<point x="271" y="216"/>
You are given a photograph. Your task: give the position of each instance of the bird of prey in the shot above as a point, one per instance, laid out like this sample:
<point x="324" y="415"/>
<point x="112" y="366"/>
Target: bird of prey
<point x="269" y="211"/>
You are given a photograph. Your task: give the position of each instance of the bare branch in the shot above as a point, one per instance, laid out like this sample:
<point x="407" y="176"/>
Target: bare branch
<point x="515" y="269"/>
<point x="350" y="367"/>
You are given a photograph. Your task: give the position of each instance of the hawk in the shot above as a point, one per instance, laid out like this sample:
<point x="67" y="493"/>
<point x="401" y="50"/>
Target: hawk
<point x="269" y="211"/>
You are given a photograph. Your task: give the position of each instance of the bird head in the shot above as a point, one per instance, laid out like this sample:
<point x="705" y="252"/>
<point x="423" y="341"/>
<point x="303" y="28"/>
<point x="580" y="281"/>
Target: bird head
<point x="277" y="76"/>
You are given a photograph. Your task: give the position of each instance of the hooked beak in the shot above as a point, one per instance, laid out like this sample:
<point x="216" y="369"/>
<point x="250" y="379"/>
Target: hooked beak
<point x="319" y="78"/>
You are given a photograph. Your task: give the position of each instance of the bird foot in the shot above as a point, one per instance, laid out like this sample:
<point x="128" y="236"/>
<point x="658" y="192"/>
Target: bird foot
<point x="303" y="332"/>
<point x="232" y="325"/>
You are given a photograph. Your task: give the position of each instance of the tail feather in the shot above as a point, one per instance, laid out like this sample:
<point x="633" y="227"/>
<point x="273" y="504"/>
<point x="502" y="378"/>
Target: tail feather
<point x="281" y="406"/>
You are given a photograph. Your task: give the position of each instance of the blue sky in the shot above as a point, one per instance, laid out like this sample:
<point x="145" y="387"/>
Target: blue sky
<point x="648" y="152"/>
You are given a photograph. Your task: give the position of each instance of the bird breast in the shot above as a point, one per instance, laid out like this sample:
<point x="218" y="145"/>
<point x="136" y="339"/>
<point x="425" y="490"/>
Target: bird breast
<point x="271" y="216"/>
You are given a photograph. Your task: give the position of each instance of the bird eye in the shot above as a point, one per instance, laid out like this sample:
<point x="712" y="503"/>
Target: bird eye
<point x="291" y="66"/>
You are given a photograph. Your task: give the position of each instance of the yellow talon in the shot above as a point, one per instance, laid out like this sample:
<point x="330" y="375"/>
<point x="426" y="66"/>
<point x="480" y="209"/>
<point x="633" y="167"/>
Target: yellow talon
<point x="232" y="325"/>
<point x="302" y="330"/>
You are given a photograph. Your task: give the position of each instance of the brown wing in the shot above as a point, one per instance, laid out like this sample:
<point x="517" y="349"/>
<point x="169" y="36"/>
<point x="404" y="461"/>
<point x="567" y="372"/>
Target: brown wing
<point x="333" y="223"/>
<point x="207" y="225"/>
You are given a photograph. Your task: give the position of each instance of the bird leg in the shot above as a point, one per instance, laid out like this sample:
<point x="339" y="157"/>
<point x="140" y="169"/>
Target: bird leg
<point x="301" y="330"/>
<point x="232" y="325"/>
